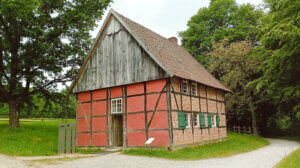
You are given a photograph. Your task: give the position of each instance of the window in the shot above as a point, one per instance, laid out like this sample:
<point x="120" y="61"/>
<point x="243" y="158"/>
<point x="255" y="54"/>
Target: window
<point x="116" y="105"/>
<point x="196" y="121"/>
<point x="185" y="86"/>
<point x="194" y="89"/>
<point x="188" y="120"/>
<point x="213" y="120"/>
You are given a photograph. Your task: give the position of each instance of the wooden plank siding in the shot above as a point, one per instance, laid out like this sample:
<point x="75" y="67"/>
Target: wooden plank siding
<point x="118" y="60"/>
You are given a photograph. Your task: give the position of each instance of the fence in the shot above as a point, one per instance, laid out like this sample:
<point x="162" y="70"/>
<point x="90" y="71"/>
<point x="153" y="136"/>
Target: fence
<point x="239" y="129"/>
<point x="66" y="138"/>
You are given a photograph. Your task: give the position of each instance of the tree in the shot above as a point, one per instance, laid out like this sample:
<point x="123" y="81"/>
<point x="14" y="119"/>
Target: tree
<point x="233" y="65"/>
<point x="42" y="43"/>
<point x="223" y="18"/>
<point x="56" y="105"/>
<point x="280" y="55"/>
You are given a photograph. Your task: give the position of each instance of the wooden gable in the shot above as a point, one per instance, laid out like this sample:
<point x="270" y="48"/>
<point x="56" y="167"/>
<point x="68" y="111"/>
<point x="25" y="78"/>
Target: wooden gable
<point x="118" y="59"/>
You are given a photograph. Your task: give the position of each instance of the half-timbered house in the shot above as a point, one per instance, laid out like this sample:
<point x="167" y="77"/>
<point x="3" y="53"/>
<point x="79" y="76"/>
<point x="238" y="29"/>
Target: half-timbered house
<point x="135" y="84"/>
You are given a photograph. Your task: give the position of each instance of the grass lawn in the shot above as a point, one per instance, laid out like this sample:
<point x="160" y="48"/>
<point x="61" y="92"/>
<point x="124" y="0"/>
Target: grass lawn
<point x="33" y="138"/>
<point x="236" y="143"/>
<point x="292" y="160"/>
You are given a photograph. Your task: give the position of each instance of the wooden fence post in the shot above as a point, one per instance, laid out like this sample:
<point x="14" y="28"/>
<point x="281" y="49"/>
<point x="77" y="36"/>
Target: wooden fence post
<point x="68" y="139"/>
<point x="73" y="138"/>
<point x="61" y="138"/>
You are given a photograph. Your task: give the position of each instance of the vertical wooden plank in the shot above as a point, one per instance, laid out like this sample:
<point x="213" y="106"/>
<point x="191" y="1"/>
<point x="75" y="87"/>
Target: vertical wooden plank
<point x="61" y="138"/>
<point x="91" y="119"/>
<point x="107" y="115"/>
<point x="169" y="106"/>
<point x="73" y="137"/>
<point x="145" y="109"/>
<point x="68" y="138"/>
<point x="207" y="111"/>
<point x="118" y="59"/>
<point x="217" y="112"/>
<point x="76" y="115"/>
<point x="126" y="138"/>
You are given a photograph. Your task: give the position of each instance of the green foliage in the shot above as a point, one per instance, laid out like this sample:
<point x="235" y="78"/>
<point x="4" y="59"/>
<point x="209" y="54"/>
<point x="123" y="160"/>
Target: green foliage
<point x="236" y="143"/>
<point x="42" y="43"/>
<point x="56" y="105"/>
<point x="280" y="55"/>
<point x="223" y="18"/>
<point x="233" y="65"/>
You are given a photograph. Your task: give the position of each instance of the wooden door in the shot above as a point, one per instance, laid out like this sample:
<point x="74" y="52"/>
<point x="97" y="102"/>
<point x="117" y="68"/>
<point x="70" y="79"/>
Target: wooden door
<point x="118" y="130"/>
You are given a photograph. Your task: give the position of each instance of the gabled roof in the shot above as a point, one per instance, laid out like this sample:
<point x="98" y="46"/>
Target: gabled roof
<point x="173" y="59"/>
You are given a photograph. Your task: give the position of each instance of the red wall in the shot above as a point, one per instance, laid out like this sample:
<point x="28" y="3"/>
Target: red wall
<point x="135" y="115"/>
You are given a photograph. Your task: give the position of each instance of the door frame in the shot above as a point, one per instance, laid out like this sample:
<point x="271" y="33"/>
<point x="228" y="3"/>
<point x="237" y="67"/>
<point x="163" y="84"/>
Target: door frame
<point x="113" y="119"/>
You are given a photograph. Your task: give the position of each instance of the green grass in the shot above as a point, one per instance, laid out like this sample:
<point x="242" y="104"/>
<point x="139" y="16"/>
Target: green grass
<point x="292" y="160"/>
<point x="88" y="150"/>
<point x="33" y="138"/>
<point x="236" y="143"/>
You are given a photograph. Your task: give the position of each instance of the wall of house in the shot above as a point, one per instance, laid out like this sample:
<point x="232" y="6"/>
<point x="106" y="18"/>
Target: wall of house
<point x="207" y="100"/>
<point x="139" y="103"/>
<point x="117" y="60"/>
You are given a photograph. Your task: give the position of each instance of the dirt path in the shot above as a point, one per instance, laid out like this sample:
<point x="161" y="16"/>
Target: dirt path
<point x="265" y="157"/>
<point x="10" y="162"/>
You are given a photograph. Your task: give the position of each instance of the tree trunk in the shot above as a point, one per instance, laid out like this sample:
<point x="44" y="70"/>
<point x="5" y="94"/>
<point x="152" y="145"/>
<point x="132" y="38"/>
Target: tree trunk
<point x="13" y="114"/>
<point x="253" y="116"/>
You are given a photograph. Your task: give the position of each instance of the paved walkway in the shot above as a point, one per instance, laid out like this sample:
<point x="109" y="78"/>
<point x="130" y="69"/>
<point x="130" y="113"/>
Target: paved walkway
<point x="265" y="157"/>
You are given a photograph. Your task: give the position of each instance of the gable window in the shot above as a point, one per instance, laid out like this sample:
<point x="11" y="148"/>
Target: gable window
<point x="196" y="121"/>
<point x="116" y="106"/>
<point x="194" y="89"/>
<point x="188" y="120"/>
<point x="213" y="120"/>
<point x="185" y="86"/>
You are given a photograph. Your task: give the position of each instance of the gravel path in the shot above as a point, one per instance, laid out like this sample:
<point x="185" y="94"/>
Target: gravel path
<point x="10" y="162"/>
<point x="265" y="157"/>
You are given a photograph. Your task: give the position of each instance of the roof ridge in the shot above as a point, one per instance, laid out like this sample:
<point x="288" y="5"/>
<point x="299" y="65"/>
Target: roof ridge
<point x="165" y="38"/>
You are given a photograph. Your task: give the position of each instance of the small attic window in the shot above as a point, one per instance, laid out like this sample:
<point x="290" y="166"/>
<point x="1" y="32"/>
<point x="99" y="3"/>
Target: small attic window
<point x="194" y="89"/>
<point x="185" y="86"/>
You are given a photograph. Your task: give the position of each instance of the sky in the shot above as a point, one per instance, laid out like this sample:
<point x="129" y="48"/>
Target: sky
<point x="165" y="17"/>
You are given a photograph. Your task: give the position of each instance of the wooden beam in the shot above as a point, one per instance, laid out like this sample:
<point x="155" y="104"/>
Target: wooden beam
<point x="156" y="105"/>
<point x="169" y="106"/>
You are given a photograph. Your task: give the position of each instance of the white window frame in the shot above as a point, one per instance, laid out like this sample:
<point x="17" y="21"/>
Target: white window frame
<point x="213" y="120"/>
<point x="194" y="85"/>
<point x="187" y="120"/>
<point x="185" y="86"/>
<point x="197" y="121"/>
<point x="114" y="108"/>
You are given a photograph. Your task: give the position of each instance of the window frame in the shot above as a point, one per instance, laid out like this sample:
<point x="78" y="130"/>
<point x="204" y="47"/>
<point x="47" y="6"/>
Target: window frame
<point x="197" y="116"/>
<point x="187" y="120"/>
<point x="186" y="83"/>
<point x="116" y="107"/>
<point x="213" y="120"/>
<point x="196" y="89"/>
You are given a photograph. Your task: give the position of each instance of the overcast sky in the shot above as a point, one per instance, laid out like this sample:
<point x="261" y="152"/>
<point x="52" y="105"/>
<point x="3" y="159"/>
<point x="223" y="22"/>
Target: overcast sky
<point x="165" y="17"/>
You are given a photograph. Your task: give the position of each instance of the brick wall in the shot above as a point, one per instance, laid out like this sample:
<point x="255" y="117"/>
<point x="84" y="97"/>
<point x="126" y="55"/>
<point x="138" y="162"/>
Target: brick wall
<point x="204" y="101"/>
<point x="96" y="105"/>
